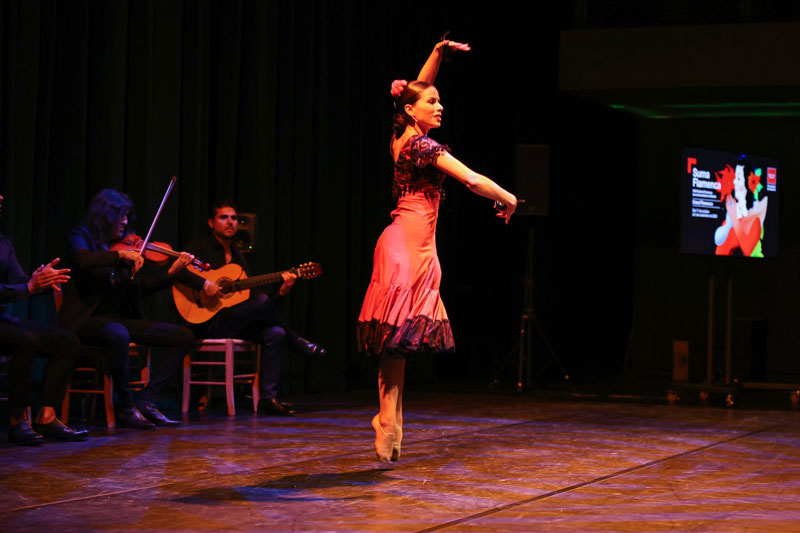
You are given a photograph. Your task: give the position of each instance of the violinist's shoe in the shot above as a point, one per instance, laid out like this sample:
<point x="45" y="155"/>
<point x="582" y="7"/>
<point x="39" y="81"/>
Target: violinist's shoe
<point x="57" y="430"/>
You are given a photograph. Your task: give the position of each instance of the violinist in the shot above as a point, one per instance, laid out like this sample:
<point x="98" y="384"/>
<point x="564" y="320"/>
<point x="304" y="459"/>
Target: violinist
<point x="101" y="305"/>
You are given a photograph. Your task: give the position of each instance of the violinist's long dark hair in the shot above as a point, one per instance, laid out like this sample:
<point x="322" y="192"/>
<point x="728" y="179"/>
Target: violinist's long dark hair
<point x="105" y="210"/>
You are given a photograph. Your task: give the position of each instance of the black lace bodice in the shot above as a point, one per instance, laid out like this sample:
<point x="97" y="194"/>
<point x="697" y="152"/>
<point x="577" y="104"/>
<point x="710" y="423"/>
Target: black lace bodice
<point x="414" y="171"/>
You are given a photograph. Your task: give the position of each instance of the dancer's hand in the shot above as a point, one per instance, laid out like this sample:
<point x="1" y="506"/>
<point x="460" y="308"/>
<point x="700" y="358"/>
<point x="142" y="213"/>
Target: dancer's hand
<point x="453" y="45"/>
<point x="507" y="209"/>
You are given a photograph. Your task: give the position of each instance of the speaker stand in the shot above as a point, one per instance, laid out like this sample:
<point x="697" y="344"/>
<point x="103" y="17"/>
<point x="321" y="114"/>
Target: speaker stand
<point x="529" y="324"/>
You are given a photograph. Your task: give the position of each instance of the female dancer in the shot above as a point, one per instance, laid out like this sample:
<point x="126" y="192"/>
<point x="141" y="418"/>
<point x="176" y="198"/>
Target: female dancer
<point x="402" y="311"/>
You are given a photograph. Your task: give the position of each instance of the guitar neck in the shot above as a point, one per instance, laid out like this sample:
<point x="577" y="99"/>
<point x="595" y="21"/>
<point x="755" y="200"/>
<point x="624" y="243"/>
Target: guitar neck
<point x="255" y="281"/>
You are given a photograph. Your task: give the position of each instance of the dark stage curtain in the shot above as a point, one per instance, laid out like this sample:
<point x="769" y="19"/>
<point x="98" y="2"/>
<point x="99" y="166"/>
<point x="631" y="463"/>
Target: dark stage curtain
<point x="282" y="106"/>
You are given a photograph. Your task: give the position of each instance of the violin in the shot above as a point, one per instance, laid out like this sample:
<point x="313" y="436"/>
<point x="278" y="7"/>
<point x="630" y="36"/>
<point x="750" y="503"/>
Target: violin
<point x="158" y="252"/>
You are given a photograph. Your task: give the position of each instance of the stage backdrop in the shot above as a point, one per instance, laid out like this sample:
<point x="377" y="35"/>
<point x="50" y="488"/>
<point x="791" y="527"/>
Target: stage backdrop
<point x="284" y="107"/>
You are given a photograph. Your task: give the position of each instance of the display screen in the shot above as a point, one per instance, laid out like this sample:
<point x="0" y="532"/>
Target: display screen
<point x="729" y="203"/>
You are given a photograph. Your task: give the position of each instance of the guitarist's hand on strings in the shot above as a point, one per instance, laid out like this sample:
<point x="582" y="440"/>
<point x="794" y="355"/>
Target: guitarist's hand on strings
<point x="288" y="281"/>
<point x="212" y="291"/>
<point x="183" y="260"/>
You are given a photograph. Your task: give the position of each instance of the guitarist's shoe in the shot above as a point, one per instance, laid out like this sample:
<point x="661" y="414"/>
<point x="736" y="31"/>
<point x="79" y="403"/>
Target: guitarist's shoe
<point x="130" y="417"/>
<point x="151" y="412"/>
<point x="309" y="349"/>
<point x="275" y="407"/>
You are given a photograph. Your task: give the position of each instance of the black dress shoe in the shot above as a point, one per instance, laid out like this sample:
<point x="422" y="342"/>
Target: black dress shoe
<point x="132" y="418"/>
<point x="56" y="429"/>
<point x="307" y="348"/>
<point x="24" y="435"/>
<point x="151" y="412"/>
<point x="274" y="407"/>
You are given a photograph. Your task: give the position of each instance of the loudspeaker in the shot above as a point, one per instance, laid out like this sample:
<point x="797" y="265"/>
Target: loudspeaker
<point x="533" y="179"/>
<point x="245" y="238"/>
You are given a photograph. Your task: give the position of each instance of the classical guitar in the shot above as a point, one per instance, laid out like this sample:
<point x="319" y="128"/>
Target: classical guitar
<point x="195" y="307"/>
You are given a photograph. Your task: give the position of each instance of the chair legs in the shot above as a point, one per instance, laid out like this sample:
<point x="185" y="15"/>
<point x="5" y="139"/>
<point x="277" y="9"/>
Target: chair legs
<point x="108" y="401"/>
<point x="228" y="348"/>
<point x="107" y="390"/>
<point x="229" y="377"/>
<point x="256" y="384"/>
<point x="187" y="382"/>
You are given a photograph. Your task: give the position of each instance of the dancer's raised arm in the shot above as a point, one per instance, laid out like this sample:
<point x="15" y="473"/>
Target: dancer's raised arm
<point x="431" y="66"/>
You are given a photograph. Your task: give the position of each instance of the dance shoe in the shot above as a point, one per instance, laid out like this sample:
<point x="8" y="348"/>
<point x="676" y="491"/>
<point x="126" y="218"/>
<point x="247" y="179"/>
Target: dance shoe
<point x="274" y="407"/>
<point x="309" y="349"/>
<point x="24" y="435"/>
<point x="398" y="437"/>
<point x="151" y="413"/>
<point x="132" y="418"/>
<point x="57" y="430"/>
<point x="384" y="442"/>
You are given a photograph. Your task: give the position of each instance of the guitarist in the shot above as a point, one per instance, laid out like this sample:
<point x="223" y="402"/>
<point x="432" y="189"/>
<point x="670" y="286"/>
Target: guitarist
<point x="256" y="319"/>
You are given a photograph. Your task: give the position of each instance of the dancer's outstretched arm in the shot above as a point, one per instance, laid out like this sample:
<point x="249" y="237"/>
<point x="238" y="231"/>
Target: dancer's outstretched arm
<point x="478" y="183"/>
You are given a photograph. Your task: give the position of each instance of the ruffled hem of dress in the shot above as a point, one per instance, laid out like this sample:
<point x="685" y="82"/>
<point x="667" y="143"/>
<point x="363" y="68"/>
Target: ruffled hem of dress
<point x="417" y="334"/>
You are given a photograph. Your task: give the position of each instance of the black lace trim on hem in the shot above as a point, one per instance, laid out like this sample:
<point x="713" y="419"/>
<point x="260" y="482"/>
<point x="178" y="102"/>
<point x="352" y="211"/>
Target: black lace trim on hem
<point x="416" y="334"/>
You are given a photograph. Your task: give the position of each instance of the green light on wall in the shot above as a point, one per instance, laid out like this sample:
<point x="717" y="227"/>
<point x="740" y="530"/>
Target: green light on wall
<point x="713" y="110"/>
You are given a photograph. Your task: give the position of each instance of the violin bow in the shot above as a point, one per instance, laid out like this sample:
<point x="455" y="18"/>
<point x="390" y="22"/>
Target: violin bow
<point x="155" y="219"/>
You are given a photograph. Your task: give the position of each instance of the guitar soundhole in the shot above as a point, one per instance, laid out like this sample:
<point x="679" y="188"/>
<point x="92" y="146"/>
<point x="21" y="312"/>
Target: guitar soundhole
<point x="228" y="286"/>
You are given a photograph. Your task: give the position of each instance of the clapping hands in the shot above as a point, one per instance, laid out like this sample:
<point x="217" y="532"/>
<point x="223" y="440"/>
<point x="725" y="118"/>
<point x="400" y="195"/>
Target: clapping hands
<point x="46" y="276"/>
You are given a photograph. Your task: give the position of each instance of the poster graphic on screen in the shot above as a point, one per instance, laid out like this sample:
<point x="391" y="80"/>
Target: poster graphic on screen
<point x="729" y="203"/>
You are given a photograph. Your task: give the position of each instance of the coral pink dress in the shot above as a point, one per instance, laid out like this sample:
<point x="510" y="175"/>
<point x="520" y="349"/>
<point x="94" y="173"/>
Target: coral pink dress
<point x="402" y="310"/>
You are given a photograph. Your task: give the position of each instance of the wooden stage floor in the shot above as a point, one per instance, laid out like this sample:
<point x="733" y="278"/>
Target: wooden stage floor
<point x="470" y="463"/>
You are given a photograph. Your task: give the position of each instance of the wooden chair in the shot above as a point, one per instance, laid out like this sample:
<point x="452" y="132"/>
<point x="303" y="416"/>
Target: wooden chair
<point x="4" y="383"/>
<point x="87" y="377"/>
<point x="229" y="350"/>
<point x="91" y="376"/>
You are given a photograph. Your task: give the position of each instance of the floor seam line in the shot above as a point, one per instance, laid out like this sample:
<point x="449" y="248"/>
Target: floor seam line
<point x="600" y="479"/>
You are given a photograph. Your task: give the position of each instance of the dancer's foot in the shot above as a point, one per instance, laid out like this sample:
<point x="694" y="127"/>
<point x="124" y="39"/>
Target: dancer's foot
<point x="383" y="441"/>
<point x="398" y="437"/>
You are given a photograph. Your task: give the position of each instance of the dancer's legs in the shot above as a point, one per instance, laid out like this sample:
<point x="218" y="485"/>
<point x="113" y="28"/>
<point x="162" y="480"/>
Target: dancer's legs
<point x="391" y="377"/>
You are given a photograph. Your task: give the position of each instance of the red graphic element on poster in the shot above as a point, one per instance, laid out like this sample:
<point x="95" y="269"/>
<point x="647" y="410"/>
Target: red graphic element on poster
<point x="690" y="162"/>
<point x="725" y="179"/>
<point x="772" y="174"/>
<point x="753" y="181"/>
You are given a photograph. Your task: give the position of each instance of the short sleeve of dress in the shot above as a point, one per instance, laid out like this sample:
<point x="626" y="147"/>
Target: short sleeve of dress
<point x="424" y="151"/>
